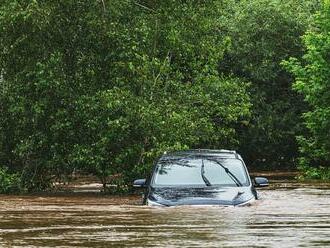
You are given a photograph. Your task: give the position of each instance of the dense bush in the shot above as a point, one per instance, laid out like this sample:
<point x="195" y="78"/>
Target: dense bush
<point x="312" y="75"/>
<point x="263" y="33"/>
<point x="105" y="89"/>
<point x="9" y="183"/>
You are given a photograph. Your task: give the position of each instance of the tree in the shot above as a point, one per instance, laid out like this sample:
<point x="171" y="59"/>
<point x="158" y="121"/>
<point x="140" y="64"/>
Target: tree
<point x="106" y="87"/>
<point x="312" y="75"/>
<point x="263" y="33"/>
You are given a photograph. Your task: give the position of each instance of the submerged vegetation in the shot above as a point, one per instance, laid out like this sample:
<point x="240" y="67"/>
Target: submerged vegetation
<point x="104" y="87"/>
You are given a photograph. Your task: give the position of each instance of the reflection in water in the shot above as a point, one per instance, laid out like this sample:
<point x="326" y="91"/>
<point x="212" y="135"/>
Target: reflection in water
<point x="282" y="218"/>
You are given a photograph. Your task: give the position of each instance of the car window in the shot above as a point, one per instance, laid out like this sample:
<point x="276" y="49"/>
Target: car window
<point x="188" y="171"/>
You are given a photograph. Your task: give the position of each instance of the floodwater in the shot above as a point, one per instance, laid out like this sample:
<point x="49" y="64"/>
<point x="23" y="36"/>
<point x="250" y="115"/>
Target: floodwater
<point x="288" y="215"/>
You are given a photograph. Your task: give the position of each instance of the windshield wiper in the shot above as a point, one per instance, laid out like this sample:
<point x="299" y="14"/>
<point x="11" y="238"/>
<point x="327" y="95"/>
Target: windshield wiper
<point x="232" y="176"/>
<point x="206" y="181"/>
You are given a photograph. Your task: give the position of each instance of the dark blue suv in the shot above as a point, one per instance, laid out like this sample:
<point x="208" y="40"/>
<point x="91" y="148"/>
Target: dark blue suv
<point x="200" y="177"/>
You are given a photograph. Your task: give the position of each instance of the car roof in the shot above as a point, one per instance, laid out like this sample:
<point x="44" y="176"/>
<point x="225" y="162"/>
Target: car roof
<point x="205" y="152"/>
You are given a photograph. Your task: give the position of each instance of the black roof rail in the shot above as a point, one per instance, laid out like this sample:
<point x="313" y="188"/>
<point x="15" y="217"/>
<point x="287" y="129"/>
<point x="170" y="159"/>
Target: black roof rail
<point x="206" y="151"/>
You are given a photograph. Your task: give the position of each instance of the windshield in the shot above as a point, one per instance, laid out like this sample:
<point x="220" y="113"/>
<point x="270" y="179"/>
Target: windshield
<point x="194" y="171"/>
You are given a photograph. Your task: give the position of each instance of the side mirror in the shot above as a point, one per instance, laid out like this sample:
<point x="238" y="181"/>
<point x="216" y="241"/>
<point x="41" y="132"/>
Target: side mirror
<point x="261" y="182"/>
<point x="139" y="183"/>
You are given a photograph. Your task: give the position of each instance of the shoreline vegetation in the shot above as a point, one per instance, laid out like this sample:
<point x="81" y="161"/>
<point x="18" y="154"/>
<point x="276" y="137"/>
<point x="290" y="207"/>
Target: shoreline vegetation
<point x="89" y="185"/>
<point x="104" y="88"/>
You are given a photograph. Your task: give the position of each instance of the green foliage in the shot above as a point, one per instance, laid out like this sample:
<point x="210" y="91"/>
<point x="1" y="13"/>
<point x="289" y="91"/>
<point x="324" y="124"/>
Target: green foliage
<point x="9" y="183"/>
<point x="312" y="81"/>
<point x="263" y="33"/>
<point x="314" y="173"/>
<point x="105" y="87"/>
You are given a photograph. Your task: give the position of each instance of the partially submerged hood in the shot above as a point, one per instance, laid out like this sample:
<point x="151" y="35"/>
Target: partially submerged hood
<point x="171" y="196"/>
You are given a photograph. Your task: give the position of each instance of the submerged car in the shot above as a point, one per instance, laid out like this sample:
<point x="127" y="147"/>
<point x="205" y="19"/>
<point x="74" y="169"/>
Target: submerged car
<point x="200" y="177"/>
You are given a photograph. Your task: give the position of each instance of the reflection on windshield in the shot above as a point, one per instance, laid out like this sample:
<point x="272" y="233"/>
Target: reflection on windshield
<point x="187" y="171"/>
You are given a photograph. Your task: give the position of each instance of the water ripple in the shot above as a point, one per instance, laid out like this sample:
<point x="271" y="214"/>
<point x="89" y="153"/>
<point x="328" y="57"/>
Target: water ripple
<point x="282" y="218"/>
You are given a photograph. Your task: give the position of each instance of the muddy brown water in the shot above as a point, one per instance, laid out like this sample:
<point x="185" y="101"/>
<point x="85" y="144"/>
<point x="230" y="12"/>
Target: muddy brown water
<point x="289" y="214"/>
